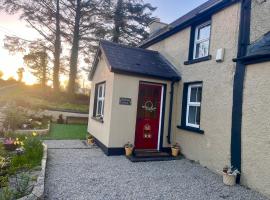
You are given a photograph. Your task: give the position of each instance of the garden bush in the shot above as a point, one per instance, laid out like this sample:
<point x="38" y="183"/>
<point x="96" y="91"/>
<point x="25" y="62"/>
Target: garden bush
<point x="32" y="156"/>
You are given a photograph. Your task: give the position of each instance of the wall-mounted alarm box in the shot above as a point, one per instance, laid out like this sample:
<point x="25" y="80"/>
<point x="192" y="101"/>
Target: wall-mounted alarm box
<point x="220" y="55"/>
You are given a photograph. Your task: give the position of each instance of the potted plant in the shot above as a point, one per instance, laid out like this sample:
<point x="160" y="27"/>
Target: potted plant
<point x="175" y="149"/>
<point x="129" y="149"/>
<point x="229" y="175"/>
<point x="10" y="144"/>
<point x="90" y="139"/>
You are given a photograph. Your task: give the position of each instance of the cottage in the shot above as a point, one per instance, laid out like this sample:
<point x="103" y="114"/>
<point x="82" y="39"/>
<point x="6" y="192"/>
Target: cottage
<point x="201" y="81"/>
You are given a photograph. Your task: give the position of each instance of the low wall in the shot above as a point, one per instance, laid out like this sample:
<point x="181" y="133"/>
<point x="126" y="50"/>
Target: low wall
<point x="55" y="114"/>
<point x="38" y="131"/>
<point x="39" y="188"/>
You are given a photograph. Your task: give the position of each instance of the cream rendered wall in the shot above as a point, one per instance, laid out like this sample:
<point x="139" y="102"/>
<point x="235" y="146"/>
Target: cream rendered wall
<point x="260" y="18"/>
<point x="123" y="118"/>
<point x="97" y="129"/>
<point x="213" y="148"/>
<point x="256" y="128"/>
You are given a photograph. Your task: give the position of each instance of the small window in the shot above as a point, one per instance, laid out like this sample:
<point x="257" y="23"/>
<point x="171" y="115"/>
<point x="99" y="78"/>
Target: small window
<point x="99" y="100"/>
<point x="193" y="110"/>
<point x="202" y="40"/>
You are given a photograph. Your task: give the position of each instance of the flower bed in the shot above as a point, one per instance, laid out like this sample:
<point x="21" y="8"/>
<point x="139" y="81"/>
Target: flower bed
<point x="19" y="168"/>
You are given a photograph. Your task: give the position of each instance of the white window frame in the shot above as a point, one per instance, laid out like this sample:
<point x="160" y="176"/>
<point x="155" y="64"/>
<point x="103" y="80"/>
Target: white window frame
<point x="198" y="41"/>
<point x="100" y="98"/>
<point x="197" y="104"/>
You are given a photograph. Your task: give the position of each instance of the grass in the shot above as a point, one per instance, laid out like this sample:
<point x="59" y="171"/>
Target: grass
<point x="26" y="96"/>
<point x="67" y="132"/>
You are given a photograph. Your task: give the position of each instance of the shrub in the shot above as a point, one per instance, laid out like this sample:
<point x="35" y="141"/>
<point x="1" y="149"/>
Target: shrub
<point x="15" y="116"/>
<point x="32" y="156"/>
<point x="7" y="194"/>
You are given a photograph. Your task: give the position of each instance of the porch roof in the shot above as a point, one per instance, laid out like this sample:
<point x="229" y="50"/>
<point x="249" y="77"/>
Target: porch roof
<point x="136" y="61"/>
<point x="258" y="51"/>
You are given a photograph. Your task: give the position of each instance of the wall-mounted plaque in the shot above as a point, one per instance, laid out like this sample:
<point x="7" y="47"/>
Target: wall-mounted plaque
<point x="125" y="101"/>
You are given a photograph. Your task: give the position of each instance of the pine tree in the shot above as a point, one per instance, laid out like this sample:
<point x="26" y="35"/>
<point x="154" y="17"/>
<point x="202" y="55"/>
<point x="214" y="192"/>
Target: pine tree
<point x="37" y="61"/>
<point x="43" y="16"/>
<point x="130" y="19"/>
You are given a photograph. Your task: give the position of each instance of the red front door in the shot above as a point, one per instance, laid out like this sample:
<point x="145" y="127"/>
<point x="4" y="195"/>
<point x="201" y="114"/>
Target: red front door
<point x="148" y="115"/>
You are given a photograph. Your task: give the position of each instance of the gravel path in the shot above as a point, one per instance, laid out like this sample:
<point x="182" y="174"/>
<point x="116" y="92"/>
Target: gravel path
<point x="82" y="174"/>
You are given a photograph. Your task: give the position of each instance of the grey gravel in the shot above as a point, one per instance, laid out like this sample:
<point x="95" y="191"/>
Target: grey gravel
<point x="66" y="144"/>
<point x="82" y="174"/>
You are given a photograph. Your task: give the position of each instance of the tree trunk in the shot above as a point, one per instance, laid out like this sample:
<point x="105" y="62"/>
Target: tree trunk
<point x="74" y="50"/>
<point x="117" y="19"/>
<point x="44" y="69"/>
<point x="57" y="49"/>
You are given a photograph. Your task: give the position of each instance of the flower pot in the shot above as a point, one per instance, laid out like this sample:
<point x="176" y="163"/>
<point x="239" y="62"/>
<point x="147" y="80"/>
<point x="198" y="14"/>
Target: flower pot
<point x="91" y="141"/>
<point x="175" y="151"/>
<point x="229" y="179"/>
<point x="129" y="151"/>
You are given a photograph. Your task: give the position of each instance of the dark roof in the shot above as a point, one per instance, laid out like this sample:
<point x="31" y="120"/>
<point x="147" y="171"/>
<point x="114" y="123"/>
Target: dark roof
<point x="207" y="8"/>
<point x="258" y="51"/>
<point x="261" y="46"/>
<point x="136" y="61"/>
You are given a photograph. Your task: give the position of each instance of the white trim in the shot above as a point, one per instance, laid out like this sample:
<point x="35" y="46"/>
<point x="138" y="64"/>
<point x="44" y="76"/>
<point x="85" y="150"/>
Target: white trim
<point x="100" y="98"/>
<point x="198" y="41"/>
<point x="160" y="116"/>
<point x="197" y="104"/>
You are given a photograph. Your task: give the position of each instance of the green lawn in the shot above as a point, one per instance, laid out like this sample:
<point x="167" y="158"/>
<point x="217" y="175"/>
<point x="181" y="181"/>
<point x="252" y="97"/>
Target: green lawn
<point x="66" y="132"/>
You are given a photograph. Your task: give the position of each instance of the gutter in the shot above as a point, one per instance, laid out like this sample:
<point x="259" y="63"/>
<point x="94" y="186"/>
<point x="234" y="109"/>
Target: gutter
<point x="238" y="85"/>
<point x="170" y="111"/>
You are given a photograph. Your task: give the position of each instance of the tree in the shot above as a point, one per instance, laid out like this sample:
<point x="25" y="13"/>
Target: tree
<point x="36" y="57"/>
<point x="80" y="19"/>
<point x="37" y="61"/>
<point x="43" y="16"/>
<point x="130" y="19"/>
<point x="57" y="48"/>
<point x="20" y="72"/>
<point x="75" y="49"/>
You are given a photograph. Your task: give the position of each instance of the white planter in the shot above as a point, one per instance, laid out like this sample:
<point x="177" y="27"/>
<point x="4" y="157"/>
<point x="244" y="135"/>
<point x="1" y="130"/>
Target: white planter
<point x="229" y="179"/>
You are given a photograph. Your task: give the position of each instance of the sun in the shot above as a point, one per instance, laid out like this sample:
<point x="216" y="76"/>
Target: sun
<point x="29" y="79"/>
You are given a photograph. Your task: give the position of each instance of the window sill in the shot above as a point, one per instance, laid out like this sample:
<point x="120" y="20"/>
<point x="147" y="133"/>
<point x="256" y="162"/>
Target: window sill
<point x="98" y="119"/>
<point x="191" y="129"/>
<point x="189" y="62"/>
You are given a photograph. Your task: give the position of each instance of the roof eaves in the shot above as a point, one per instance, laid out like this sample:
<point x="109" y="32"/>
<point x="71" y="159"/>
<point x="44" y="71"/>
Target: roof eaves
<point x="204" y="13"/>
<point x="126" y="72"/>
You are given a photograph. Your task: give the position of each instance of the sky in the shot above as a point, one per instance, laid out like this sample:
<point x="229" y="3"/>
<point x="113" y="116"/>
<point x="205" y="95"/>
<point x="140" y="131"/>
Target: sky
<point x="167" y="11"/>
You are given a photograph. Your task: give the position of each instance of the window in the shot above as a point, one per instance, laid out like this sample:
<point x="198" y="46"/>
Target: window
<point x="193" y="110"/>
<point x="99" y="100"/>
<point x="202" y="40"/>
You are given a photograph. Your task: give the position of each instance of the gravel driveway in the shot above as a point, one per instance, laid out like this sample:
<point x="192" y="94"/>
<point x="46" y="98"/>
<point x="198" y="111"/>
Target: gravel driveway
<point x="81" y="173"/>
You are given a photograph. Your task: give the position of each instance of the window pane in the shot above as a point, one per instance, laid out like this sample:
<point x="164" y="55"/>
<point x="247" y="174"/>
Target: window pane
<point x="100" y="91"/>
<point x="102" y="111"/>
<point x="202" y="49"/>
<point x="199" y="94"/>
<point x="198" y="115"/>
<point x="193" y="93"/>
<point x="99" y="107"/>
<point x="204" y="32"/>
<point x="192" y="114"/>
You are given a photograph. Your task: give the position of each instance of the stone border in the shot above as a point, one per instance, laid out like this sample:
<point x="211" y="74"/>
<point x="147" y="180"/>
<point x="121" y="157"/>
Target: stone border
<point x="38" y="131"/>
<point x="38" y="190"/>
